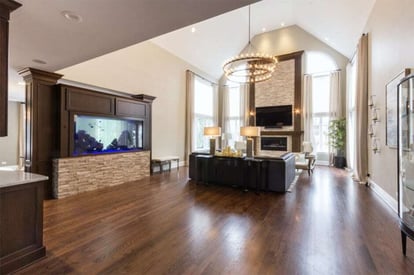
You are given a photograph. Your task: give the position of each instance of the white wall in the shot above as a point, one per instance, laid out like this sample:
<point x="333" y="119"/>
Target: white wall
<point x="391" y="40"/>
<point x="293" y="39"/>
<point x="9" y="145"/>
<point x="145" y="68"/>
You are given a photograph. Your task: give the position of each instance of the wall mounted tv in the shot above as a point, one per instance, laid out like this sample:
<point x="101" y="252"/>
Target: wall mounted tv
<point x="274" y="116"/>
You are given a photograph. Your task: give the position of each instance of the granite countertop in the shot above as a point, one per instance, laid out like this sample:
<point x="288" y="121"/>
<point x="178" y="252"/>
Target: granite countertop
<point x="11" y="178"/>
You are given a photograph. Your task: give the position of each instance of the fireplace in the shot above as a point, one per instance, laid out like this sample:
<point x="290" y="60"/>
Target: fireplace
<point x="274" y="143"/>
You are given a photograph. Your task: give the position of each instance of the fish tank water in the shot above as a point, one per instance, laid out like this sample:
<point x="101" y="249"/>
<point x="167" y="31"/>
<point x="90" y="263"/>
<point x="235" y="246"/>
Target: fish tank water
<point x="96" y="135"/>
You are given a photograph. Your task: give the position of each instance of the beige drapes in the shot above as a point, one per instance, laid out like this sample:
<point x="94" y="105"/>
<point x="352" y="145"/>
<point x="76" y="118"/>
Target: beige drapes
<point x="361" y="144"/>
<point x="335" y="104"/>
<point x="189" y="112"/>
<point x="243" y="111"/>
<point x="307" y="108"/>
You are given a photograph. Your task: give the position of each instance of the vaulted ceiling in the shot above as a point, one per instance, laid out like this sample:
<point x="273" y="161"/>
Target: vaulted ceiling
<point x="338" y="23"/>
<point x="41" y="36"/>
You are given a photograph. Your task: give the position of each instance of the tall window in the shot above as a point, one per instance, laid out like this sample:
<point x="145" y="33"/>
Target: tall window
<point x="351" y="112"/>
<point x="204" y="111"/>
<point x="233" y="113"/>
<point x="321" y="116"/>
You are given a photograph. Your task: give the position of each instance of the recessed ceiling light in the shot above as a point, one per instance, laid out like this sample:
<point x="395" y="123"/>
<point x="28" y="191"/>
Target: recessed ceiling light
<point x="39" y="61"/>
<point x="193" y="29"/>
<point x="71" y="16"/>
<point x="326" y="39"/>
<point x="263" y="29"/>
<point x="282" y="24"/>
<point x="21" y="83"/>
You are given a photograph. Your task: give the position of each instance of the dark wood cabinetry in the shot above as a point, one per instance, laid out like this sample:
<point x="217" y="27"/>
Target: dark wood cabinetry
<point x="82" y="100"/>
<point x="74" y="101"/>
<point x="21" y="228"/>
<point x="50" y="111"/>
<point x="6" y="7"/>
<point x="42" y="123"/>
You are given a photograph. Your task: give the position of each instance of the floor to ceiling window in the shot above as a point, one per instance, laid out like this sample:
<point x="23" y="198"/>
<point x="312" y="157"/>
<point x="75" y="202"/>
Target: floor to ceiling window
<point x="322" y="101"/>
<point x="204" y="111"/>
<point x="233" y="114"/>
<point x="321" y="117"/>
<point x="351" y="112"/>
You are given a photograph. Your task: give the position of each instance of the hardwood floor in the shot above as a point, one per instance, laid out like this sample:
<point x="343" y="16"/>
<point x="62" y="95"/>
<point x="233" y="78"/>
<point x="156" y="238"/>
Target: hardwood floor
<point x="166" y="225"/>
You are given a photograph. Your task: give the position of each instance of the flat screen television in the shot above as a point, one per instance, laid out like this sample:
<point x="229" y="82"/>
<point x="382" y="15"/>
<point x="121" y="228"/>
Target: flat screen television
<point x="274" y="116"/>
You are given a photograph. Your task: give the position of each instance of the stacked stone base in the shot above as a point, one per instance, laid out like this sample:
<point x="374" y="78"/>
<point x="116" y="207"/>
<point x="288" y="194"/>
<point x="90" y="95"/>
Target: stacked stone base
<point x="80" y="174"/>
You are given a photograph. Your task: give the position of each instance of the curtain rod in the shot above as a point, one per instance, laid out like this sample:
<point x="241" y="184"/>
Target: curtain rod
<point x="202" y="77"/>
<point x="322" y="73"/>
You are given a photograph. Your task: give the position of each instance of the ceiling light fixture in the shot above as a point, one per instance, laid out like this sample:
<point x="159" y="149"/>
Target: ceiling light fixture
<point x="193" y="29"/>
<point x="263" y="29"/>
<point x="39" y="61"/>
<point x="71" y="16"/>
<point x="250" y="67"/>
<point x="282" y="24"/>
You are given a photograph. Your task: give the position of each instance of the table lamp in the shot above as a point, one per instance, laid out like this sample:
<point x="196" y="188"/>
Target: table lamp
<point x="249" y="132"/>
<point x="212" y="132"/>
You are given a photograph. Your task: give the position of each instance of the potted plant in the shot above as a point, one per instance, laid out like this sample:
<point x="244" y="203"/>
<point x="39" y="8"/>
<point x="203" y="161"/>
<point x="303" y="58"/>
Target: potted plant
<point x="337" y="139"/>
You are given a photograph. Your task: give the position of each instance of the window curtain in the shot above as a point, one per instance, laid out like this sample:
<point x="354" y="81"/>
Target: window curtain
<point x="350" y="107"/>
<point x="189" y="114"/>
<point x="335" y="103"/>
<point x="244" y="102"/>
<point x="361" y="122"/>
<point x="243" y="116"/>
<point x="307" y="109"/>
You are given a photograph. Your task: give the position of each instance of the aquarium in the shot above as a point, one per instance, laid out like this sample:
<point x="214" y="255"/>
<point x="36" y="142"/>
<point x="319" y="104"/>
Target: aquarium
<point x="95" y="135"/>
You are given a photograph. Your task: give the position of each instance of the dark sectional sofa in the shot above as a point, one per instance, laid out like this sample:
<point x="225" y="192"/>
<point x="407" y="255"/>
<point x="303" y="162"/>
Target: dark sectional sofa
<point x="259" y="173"/>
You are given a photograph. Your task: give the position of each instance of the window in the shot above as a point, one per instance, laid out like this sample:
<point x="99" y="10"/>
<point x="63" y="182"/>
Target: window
<point x="351" y="112"/>
<point x="320" y="123"/>
<point x="204" y="111"/>
<point x="233" y="115"/>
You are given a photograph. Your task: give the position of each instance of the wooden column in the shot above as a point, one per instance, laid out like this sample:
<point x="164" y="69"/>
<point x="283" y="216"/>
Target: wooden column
<point x="297" y="118"/>
<point x="42" y="123"/>
<point x="6" y="7"/>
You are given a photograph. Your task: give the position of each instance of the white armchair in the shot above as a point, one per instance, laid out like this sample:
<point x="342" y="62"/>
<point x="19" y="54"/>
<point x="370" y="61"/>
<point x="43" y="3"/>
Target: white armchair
<point x="306" y="160"/>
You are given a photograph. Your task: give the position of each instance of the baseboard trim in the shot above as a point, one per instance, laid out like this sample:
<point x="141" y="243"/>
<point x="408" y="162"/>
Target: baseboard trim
<point x="390" y="201"/>
<point x="173" y="165"/>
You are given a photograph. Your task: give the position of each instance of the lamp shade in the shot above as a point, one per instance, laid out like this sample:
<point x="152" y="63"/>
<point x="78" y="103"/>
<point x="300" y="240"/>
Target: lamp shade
<point x="307" y="147"/>
<point x="212" y="131"/>
<point x="250" y="131"/>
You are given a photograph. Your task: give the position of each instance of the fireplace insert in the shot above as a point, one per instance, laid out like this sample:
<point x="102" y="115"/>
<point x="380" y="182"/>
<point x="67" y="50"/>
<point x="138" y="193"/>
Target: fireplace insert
<point x="96" y="135"/>
<point x="273" y="143"/>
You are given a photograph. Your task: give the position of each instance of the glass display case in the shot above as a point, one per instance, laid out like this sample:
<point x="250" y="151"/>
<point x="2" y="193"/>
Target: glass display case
<point x="406" y="158"/>
<point x="95" y="135"/>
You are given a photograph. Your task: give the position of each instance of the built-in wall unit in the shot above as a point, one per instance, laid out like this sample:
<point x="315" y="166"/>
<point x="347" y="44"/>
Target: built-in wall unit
<point x="83" y="139"/>
<point x="277" y="103"/>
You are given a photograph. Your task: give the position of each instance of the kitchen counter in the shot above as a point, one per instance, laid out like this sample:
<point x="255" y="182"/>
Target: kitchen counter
<point x="12" y="178"/>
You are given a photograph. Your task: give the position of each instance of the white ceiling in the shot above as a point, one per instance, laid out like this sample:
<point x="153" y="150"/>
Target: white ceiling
<point x="39" y="31"/>
<point x="338" y="23"/>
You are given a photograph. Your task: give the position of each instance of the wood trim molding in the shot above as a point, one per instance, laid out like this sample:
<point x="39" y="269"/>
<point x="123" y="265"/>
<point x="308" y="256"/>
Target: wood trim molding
<point x="6" y="7"/>
<point x="30" y="74"/>
<point x="297" y="132"/>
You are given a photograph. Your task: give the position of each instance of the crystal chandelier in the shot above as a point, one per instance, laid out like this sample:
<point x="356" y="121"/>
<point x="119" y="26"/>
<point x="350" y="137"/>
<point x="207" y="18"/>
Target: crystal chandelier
<point x="250" y="67"/>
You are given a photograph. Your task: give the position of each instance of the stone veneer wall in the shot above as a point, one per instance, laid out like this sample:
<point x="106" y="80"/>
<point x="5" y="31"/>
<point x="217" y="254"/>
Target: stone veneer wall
<point x="279" y="89"/>
<point x="80" y="174"/>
